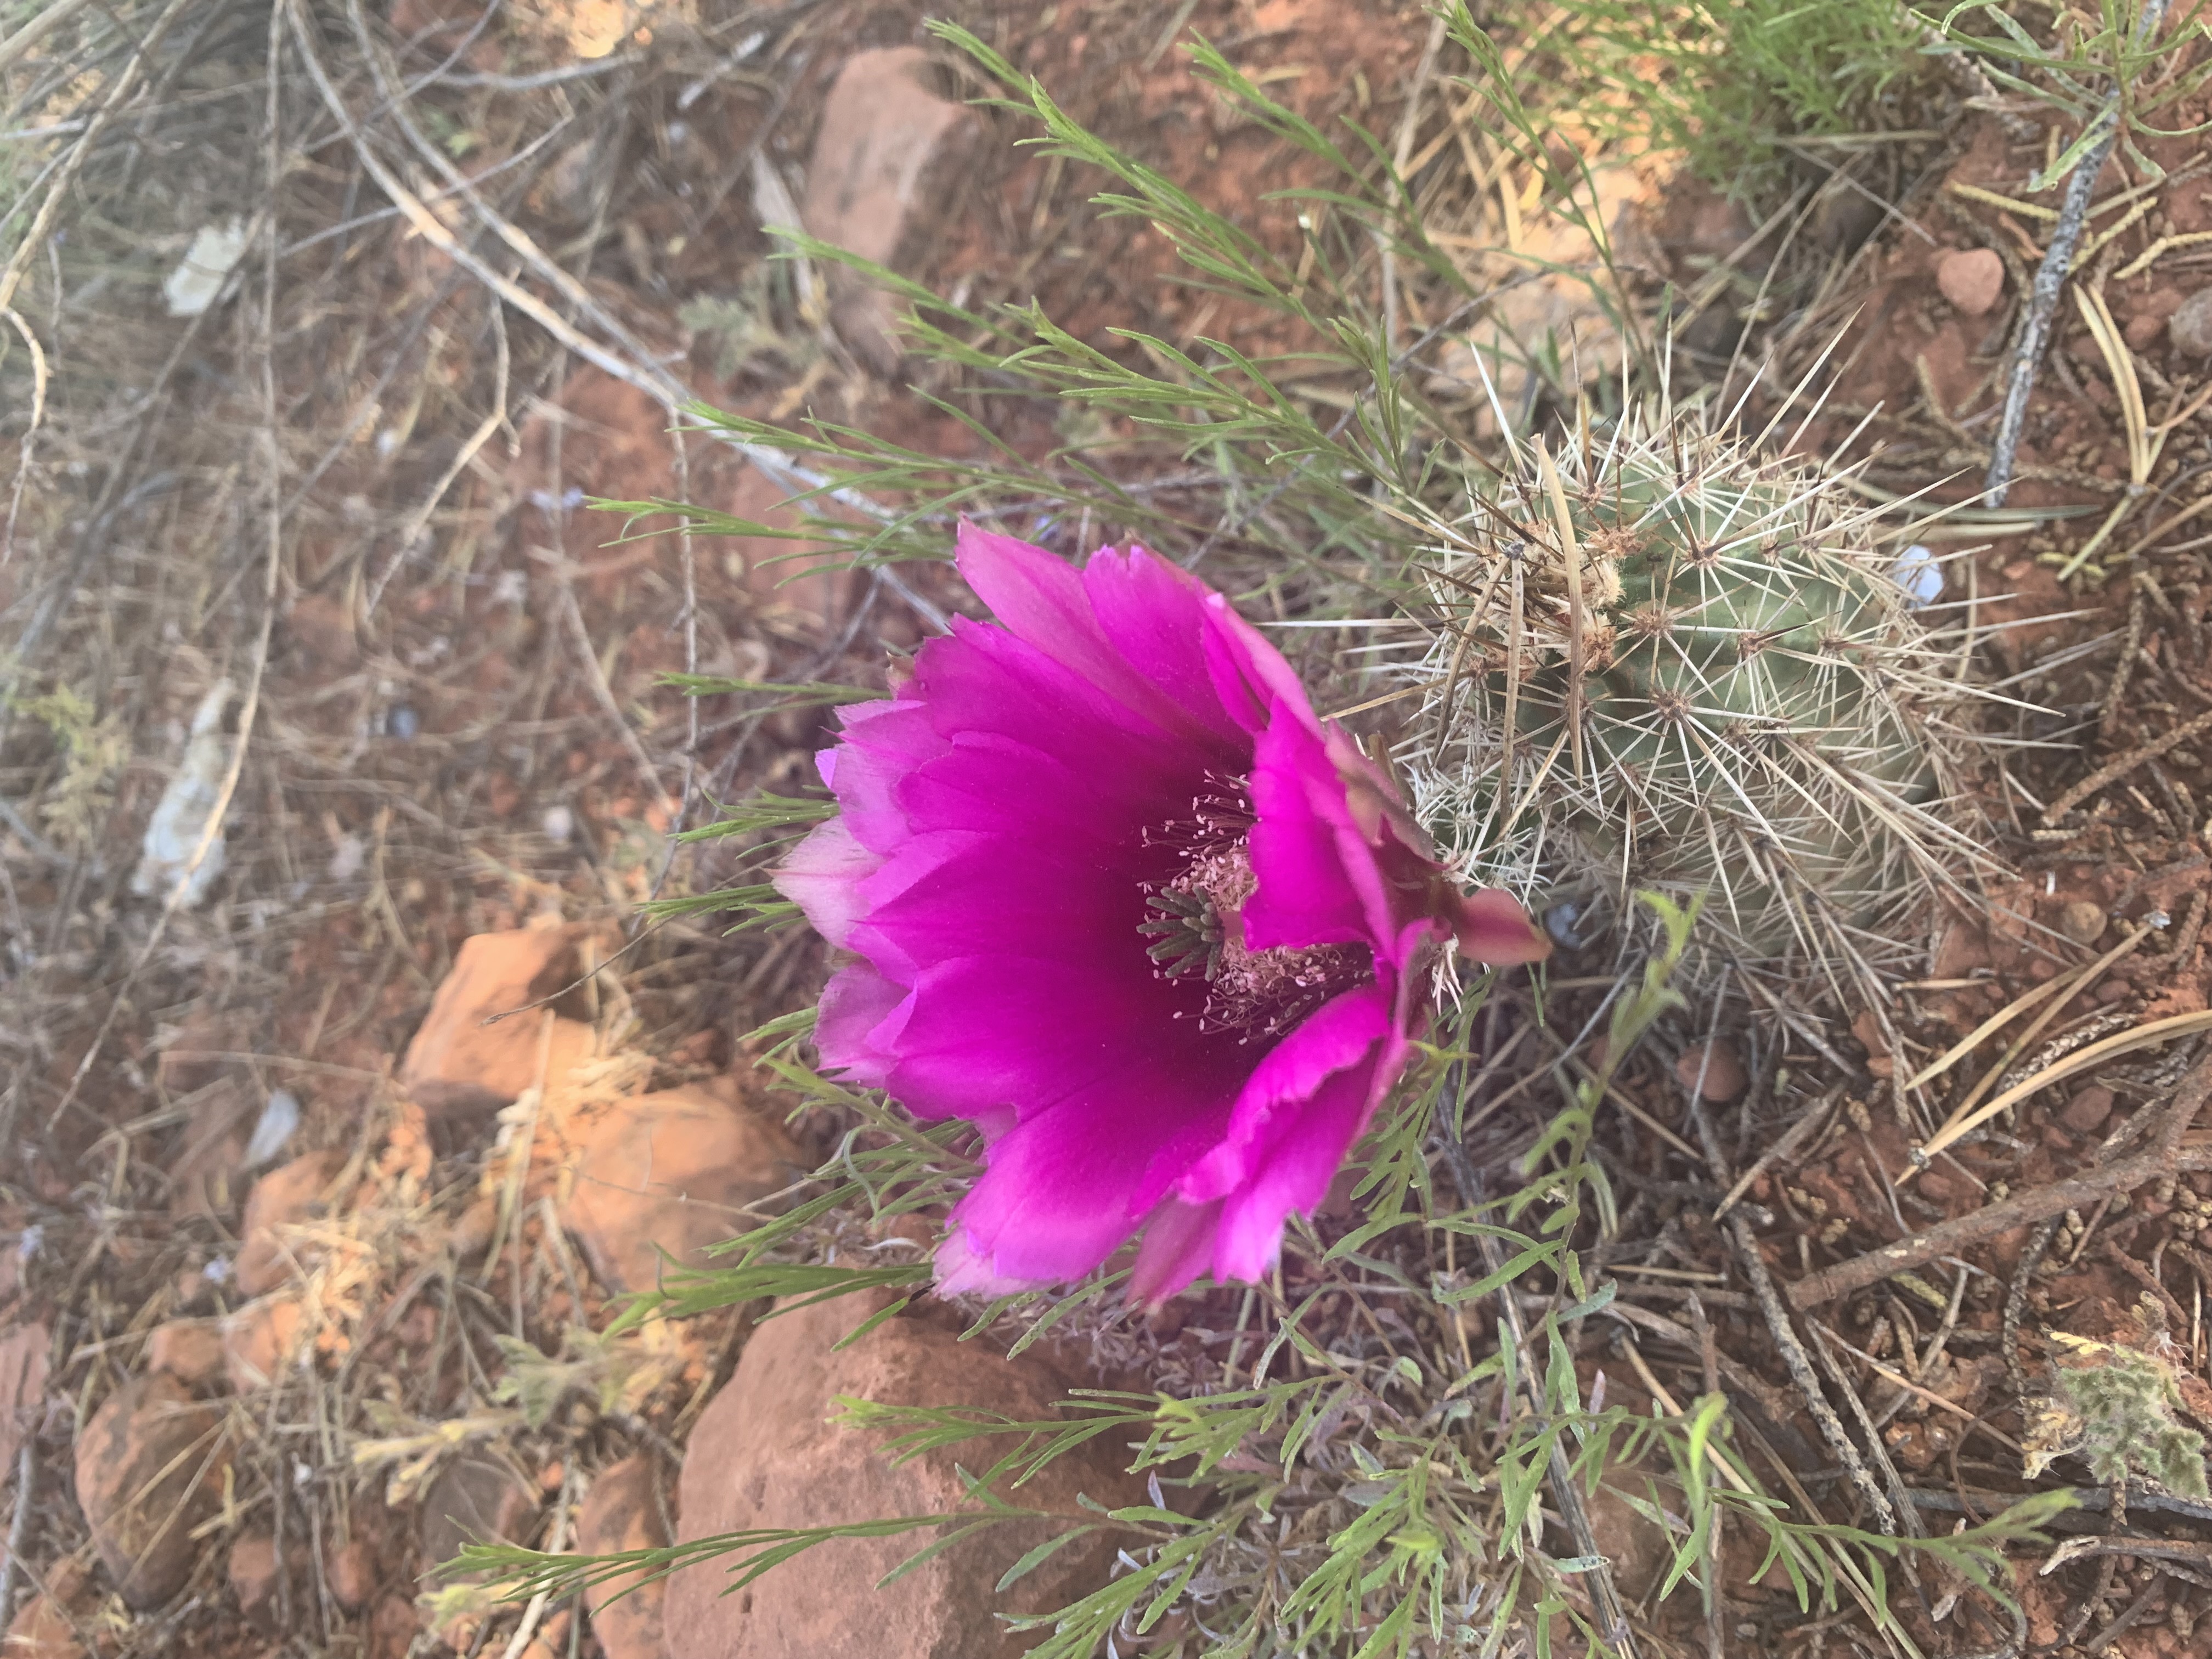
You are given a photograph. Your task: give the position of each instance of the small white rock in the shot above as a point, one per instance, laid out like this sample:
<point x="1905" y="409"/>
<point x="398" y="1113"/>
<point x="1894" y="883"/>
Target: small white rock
<point x="279" y="1121"/>
<point x="191" y="288"/>
<point x="1918" y="574"/>
<point x="180" y="817"/>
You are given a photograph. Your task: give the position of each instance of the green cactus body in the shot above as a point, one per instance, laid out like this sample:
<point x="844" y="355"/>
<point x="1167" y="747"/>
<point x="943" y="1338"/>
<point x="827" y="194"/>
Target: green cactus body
<point x="1760" y="715"/>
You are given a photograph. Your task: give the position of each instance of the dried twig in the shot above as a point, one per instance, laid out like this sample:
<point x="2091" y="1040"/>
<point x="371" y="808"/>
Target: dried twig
<point x="2166" y="1156"/>
<point x="2050" y="278"/>
<point x="2016" y="1307"/>
<point x="1800" y="1366"/>
<point x="271" y="453"/>
<point x="2123" y="764"/>
<point x="19" y="1529"/>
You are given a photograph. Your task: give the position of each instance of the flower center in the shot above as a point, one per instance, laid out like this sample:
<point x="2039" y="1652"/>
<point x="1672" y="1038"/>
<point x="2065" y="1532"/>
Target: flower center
<point x="1195" y="921"/>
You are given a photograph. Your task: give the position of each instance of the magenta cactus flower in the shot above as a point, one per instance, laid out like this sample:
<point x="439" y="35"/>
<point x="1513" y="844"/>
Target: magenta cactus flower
<point x="1114" y="892"/>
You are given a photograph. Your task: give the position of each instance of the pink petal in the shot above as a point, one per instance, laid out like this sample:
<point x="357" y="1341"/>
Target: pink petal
<point x="955" y="894"/>
<point x="1493" y="926"/>
<point x="884" y="743"/>
<point x="961" y="1271"/>
<point x="1158" y="616"/>
<point x="1177" y="1244"/>
<point x="858" y="1027"/>
<point x="822" y="875"/>
<point x="1294" y="1172"/>
<point x="1058" y="1195"/>
<point x="1044" y="602"/>
<point x="1318" y="881"/>
<point x="993" y="1030"/>
<point x="1249" y="675"/>
<point x="985" y="680"/>
<point x="1337" y="1038"/>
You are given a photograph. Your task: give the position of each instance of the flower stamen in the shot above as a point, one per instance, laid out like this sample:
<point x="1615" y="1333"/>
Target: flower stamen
<point x="1197" y="926"/>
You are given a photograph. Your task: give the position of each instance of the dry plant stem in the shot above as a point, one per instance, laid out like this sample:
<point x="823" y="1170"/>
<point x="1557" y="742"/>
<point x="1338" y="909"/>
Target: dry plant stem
<point x="1800" y="1366"/>
<point x="1801" y="1134"/>
<point x="2016" y="1307"/>
<point x="1793" y="1357"/>
<point x="18" y="1528"/>
<point x="1823" y="1342"/>
<point x="646" y="773"/>
<point x="58" y="190"/>
<point x="671" y="394"/>
<point x="25" y="446"/>
<point x="1772" y="1400"/>
<point x="2165" y="1157"/>
<point x="2050" y="278"/>
<point x="2119" y="767"/>
<point x="559" y="1542"/>
<point x="13" y="47"/>
<point x="1966" y="1119"/>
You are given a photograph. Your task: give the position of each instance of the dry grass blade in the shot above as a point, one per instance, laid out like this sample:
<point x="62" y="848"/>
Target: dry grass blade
<point x="1964" y="1119"/>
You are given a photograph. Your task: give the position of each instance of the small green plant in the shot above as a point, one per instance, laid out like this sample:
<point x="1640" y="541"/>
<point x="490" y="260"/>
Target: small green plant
<point x="1733" y="84"/>
<point x="2116" y="1407"/>
<point x="93" y="748"/>
<point x="743" y="328"/>
<point x="2112" y="63"/>
<point x="1711" y="681"/>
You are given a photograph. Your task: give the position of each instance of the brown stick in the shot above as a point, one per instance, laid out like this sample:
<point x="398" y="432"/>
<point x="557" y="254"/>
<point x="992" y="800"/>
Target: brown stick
<point x="2120" y="767"/>
<point x="2166" y="1157"/>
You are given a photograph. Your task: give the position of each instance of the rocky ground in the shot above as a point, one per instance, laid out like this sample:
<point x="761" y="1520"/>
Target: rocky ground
<point x="313" y="1268"/>
<point x="314" y="1249"/>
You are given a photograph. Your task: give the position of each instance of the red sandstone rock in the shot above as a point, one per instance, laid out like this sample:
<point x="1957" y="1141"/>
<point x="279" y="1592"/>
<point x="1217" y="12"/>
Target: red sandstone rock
<point x="764" y="1455"/>
<point x="259" y="1341"/>
<point x="459" y="1066"/>
<point x="622" y="1511"/>
<point x="190" y="1350"/>
<point x="46" y="1626"/>
<point x="476" y="1496"/>
<point x="2191" y="326"/>
<point x="886" y="148"/>
<point x="149" y="1470"/>
<point x="1716" y="1062"/>
<point x="196" y="1052"/>
<point x="350" y="1572"/>
<point x="393" y="1626"/>
<point x="1971" y="278"/>
<point x="2087" y="1111"/>
<point x="669" y="1172"/>
<point x="254" y="1571"/>
<point x="288" y="1194"/>
<point x="206" y="1172"/>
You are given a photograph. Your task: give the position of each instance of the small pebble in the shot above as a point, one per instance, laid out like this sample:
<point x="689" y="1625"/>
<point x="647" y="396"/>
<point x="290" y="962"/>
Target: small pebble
<point x="2191" y="330"/>
<point x="2082" y="921"/>
<point x="1971" y="278"/>
<point x="2087" y="1111"/>
<point x="558" y="824"/>
<point x="1723" y="1072"/>
<point x="402" y="722"/>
